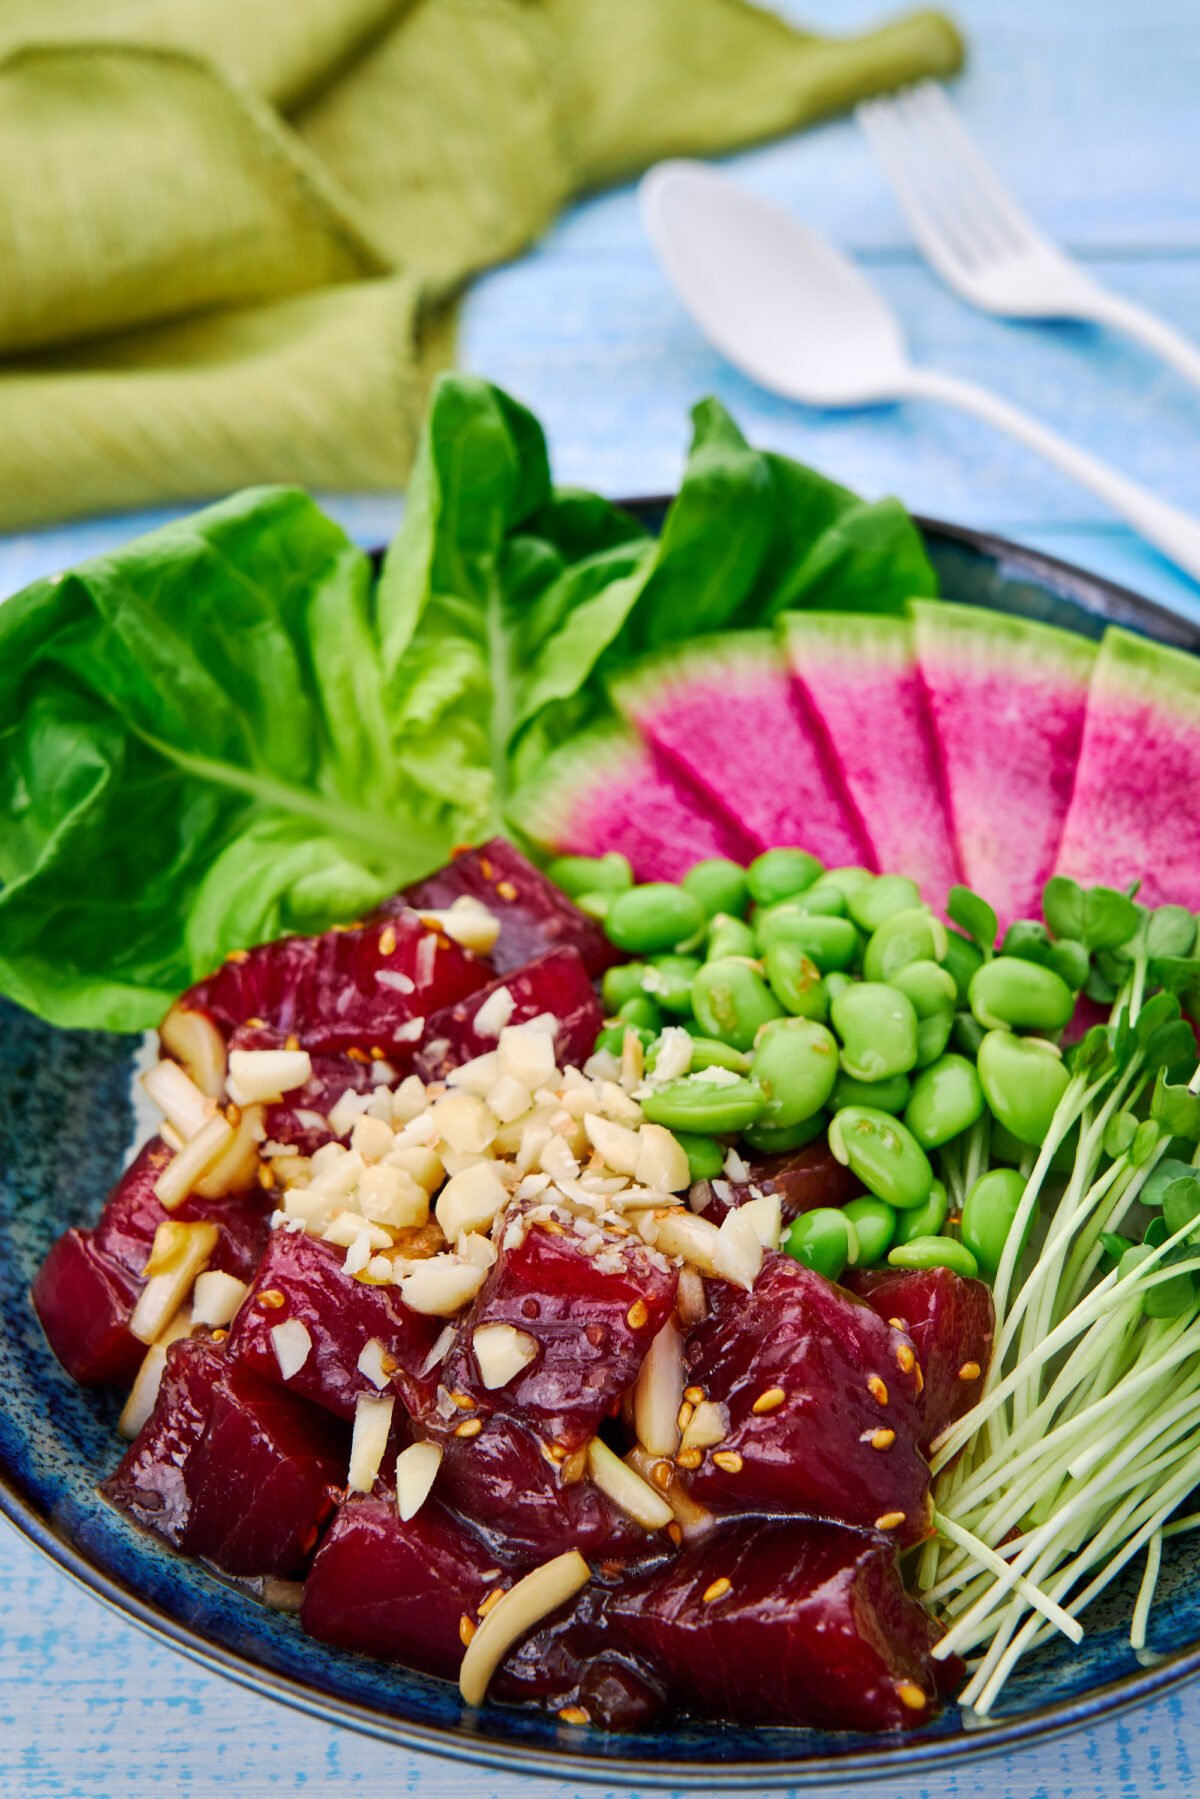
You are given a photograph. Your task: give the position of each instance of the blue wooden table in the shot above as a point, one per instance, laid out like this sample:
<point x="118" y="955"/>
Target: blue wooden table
<point x="1090" y="108"/>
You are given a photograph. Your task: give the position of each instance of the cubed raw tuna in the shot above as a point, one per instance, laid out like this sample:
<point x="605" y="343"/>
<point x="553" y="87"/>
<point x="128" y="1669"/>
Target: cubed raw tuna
<point x="592" y="1316"/>
<point x="229" y="1468"/>
<point x="132" y="1215"/>
<point x="788" y="1622"/>
<point x="301" y="1117"/>
<point x="951" y="1321"/>
<point x="361" y="989"/>
<point x="821" y="1400"/>
<point x="400" y="1590"/>
<point x="302" y="1278"/>
<point x="85" y="1301"/>
<point x="557" y="982"/>
<point x="528" y="1507"/>
<point x="803" y="1179"/>
<point x="534" y="914"/>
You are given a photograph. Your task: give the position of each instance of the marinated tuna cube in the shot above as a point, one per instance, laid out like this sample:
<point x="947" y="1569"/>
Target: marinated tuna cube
<point x="529" y="1506"/>
<point x="362" y="989"/>
<point x="398" y="1589"/>
<point x="229" y="1468"/>
<point x="788" y="1622"/>
<point x="819" y="1399"/>
<point x="952" y="1323"/>
<point x="85" y="1301"/>
<point x="803" y="1179"/>
<point x="557" y="983"/>
<point x="132" y="1215"/>
<point x="301" y="1118"/>
<point x="584" y="1308"/>
<point x="304" y="1281"/>
<point x="534" y="914"/>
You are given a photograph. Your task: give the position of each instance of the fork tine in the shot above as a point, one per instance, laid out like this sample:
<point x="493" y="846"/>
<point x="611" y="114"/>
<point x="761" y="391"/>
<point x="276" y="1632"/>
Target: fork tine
<point x="938" y="232"/>
<point x="940" y="114"/>
<point x="959" y="198"/>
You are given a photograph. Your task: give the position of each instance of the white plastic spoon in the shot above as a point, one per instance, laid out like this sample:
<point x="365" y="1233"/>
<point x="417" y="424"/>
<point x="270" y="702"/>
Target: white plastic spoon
<point x="795" y="315"/>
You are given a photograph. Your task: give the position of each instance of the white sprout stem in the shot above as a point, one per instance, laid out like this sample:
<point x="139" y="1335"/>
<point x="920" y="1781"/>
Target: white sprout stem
<point x="1007" y="1576"/>
<point x="1145" y="1598"/>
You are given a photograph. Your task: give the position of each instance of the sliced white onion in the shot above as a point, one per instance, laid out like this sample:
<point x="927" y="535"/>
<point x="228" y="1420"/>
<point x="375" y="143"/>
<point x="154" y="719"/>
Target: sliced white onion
<point x="267" y="1074"/>
<point x="216" y="1297"/>
<point x="416" y="1471"/>
<point x="178" y="1098"/>
<point x="502" y="1352"/>
<point x="292" y="1345"/>
<point x="659" y="1391"/>
<point x="237" y="1169"/>
<point x="626" y="1488"/>
<point x="143" y="1395"/>
<point x="194" y="1040"/>
<point x="522" y="1607"/>
<point x="165" y="1291"/>
<point x="198" y="1157"/>
<point x="372" y="1423"/>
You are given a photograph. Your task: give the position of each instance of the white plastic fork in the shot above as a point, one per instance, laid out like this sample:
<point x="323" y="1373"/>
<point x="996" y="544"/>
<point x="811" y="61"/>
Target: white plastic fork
<point x="979" y="240"/>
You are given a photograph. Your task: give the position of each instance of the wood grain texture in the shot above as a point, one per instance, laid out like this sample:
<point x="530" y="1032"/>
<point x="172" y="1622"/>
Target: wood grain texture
<point x="1089" y="110"/>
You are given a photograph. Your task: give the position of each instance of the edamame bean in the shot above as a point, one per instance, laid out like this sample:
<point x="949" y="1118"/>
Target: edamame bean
<point x="835" y="983"/>
<point x="961" y="959"/>
<point x="768" y="1142"/>
<point x="795" y="980"/>
<point x="700" y="1106"/>
<point x="913" y="936"/>
<point x="874" y="1226"/>
<point x="729" y="936"/>
<point x="987" y="1216"/>
<point x="777" y="873"/>
<point x="1023" y="1079"/>
<point x="732" y="1001"/>
<point x="641" y="1011"/>
<point x="710" y="1052"/>
<point x="886" y="1096"/>
<point x="884" y="1155"/>
<point x="878" y="1029"/>
<point x="934" y="1252"/>
<point x="596" y="905"/>
<point x="1009" y="993"/>
<point x="967" y="1034"/>
<point x="612" y="1037"/>
<point x="821" y="900"/>
<point x="876" y="900"/>
<point x="706" y="1157"/>
<point x="609" y="873"/>
<point x="929" y="986"/>
<point x="795" y="1063"/>
<point x="668" y="981"/>
<point x="720" y="886"/>
<point x="933" y="1034"/>
<point x="924" y="1220"/>
<point x="823" y="1240"/>
<point x="621" y="983"/>
<point x="645" y="921"/>
<point x="947" y="1099"/>
<point x="847" y="878"/>
<point x="832" y="943"/>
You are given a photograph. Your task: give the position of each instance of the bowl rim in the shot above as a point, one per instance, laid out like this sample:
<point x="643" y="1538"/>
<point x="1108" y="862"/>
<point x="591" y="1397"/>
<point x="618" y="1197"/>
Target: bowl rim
<point x="1104" y="600"/>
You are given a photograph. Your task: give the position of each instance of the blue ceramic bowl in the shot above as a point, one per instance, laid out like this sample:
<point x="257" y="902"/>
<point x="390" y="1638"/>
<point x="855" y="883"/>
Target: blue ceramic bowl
<point x="65" y="1121"/>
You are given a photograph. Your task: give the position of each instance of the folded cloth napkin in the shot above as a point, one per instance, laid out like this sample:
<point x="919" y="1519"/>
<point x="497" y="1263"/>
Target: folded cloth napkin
<point x="230" y="234"/>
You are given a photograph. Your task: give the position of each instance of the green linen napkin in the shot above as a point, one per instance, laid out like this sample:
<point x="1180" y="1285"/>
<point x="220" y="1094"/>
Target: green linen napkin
<point x="230" y="234"/>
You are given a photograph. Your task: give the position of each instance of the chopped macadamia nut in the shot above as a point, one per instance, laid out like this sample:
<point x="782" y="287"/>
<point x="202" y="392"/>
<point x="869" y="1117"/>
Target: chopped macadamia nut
<point x="661" y="1161"/>
<point x="527" y="1054"/>
<point x="368" y="1445"/>
<point x="476" y="1076"/>
<point x="464" y="1122"/>
<point x="216" y="1297"/>
<point x="388" y="1195"/>
<point x="292" y="1345"/>
<point x="470" y="1199"/>
<point x="494" y="1013"/>
<point x="372" y="1139"/>
<point x="501" y="1353"/>
<point x="267" y="1074"/>
<point x="441" y="1286"/>
<point x="508" y="1099"/>
<point x="416" y="1471"/>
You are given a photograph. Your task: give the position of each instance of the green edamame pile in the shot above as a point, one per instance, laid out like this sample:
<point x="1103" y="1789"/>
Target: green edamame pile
<point x="837" y="1002"/>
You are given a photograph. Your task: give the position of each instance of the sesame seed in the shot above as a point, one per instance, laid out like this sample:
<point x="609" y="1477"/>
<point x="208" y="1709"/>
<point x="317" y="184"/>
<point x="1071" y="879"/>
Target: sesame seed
<point x="689" y="1458"/>
<point x="662" y="1474"/>
<point x="256" y="1024"/>
<point x="877" y="1388"/>
<point x="717" y="1590"/>
<point x="485" y="867"/>
<point x="905" y="1358"/>
<point x="551" y="1227"/>
<point x="897" y="1324"/>
<point x="910" y="1694"/>
<point x="463" y="1401"/>
<point x="493" y="1598"/>
<point x="890" y="1520"/>
<point x="387" y="940"/>
<point x="219" y="1336"/>
<point x="882" y="1439"/>
<point x="358" y="1055"/>
<point x="769" y="1401"/>
<point x="684" y="1417"/>
<point x="506" y="890"/>
<point x="970" y="1371"/>
<point x="693" y="1395"/>
<point x="291" y="1042"/>
<point x="470" y="1427"/>
<point x="271" y="1299"/>
<point x="919" y="1378"/>
<point x="729" y="1460"/>
<point x="377" y="1054"/>
<point x="466" y="1630"/>
<point x="637" y="1315"/>
<point x="557" y="1452"/>
<point x="573" y="1714"/>
<point x="491" y="1574"/>
<point x="266" y="1176"/>
<point x="238" y="955"/>
<point x="233" y="1114"/>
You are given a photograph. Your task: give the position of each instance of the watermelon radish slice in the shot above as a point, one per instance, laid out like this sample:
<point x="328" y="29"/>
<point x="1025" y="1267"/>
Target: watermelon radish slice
<point x="1008" y="699"/>
<point x="724" y="711"/>
<point x="607" y="790"/>
<point x="1132" y="814"/>
<point x="859" y="675"/>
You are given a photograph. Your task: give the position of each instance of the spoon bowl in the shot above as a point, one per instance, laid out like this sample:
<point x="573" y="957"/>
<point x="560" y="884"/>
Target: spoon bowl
<point x="779" y="301"/>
